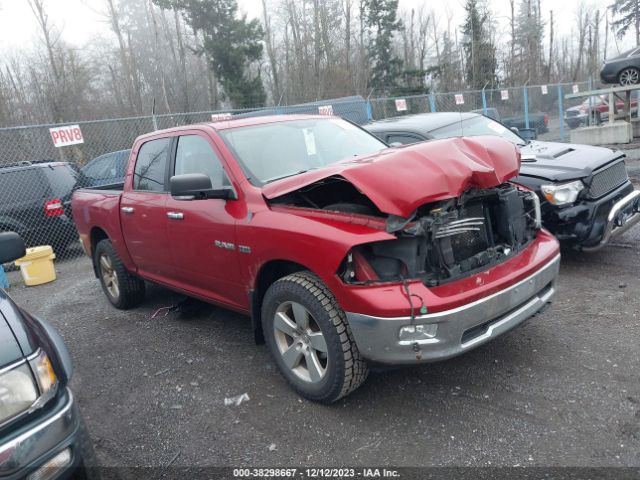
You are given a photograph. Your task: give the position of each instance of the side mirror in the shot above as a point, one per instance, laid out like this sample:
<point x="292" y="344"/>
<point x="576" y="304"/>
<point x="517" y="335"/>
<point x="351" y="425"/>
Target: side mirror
<point x="515" y="130"/>
<point x="396" y="144"/>
<point x="11" y="247"/>
<point x="197" y="186"/>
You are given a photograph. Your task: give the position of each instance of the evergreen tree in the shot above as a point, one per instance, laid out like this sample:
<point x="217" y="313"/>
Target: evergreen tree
<point x="626" y="14"/>
<point x="231" y="44"/>
<point x="480" y="52"/>
<point x="381" y="22"/>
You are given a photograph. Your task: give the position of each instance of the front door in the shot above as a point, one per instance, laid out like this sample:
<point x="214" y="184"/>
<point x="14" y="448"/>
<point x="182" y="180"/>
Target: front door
<point x="143" y="211"/>
<point x="202" y="232"/>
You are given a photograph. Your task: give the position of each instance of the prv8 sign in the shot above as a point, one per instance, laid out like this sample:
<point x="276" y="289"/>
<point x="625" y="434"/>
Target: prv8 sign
<point x="67" y="135"/>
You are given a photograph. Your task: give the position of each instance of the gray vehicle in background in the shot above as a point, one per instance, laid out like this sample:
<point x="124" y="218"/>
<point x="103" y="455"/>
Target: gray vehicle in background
<point x="623" y="69"/>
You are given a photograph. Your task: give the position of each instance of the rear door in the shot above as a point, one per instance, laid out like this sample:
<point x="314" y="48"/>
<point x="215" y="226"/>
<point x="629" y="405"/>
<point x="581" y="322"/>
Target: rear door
<point x="23" y="195"/>
<point x="143" y="211"/>
<point x="202" y="232"/>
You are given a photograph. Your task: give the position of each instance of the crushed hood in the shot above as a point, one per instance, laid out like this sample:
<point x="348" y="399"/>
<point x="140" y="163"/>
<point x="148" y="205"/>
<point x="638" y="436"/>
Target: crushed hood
<point x="399" y="180"/>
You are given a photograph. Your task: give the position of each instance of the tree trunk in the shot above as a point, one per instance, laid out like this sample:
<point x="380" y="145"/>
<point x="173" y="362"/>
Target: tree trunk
<point x="183" y="62"/>
<point x="550" y="66"/>
<point x="271" y="52"/>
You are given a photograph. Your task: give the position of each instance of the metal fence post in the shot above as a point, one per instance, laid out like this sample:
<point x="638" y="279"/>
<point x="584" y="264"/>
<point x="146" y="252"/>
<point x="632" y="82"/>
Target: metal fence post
<point x="432" y="102"/>
<point x="561" y="111"/>
<point x="590" y="84"/>
<point x="526" y="106"/>
<point x="484" y="102"/>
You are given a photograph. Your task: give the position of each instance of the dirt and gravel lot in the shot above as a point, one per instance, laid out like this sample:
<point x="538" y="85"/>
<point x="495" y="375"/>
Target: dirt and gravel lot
<point x="562" y="390"/>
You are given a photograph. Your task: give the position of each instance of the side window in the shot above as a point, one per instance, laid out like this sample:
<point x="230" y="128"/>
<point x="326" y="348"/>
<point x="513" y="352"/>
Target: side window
<point x="404" y="139"/>
<point x="195" y="155"/>
<point x="150" y="166"/>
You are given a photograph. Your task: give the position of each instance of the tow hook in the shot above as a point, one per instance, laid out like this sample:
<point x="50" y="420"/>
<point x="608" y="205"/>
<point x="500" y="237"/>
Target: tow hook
<point x="417" y="350"/>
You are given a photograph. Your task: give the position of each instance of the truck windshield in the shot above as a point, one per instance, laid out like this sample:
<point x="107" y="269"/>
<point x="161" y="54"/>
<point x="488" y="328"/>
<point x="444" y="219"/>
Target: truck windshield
<point x="480" y="125"/>
<point x="281" y="149"/>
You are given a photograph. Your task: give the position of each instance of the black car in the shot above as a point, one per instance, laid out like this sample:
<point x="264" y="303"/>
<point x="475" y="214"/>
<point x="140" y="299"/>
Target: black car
<point x="35" y="202"/>
<point x="585" y="192"/>
<point x="42" y="434"/>
<point x="623" y="69"/>
<point x="106" y="169"/>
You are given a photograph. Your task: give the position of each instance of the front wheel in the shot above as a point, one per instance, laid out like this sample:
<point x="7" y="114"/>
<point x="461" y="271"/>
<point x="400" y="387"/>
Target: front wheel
<point x="629" y="76"/>
<point x="310" y="339"/>
<point x="123" y="289"/>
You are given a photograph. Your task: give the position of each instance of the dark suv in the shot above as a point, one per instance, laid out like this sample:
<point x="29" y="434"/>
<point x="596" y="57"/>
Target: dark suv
<point x="42" y="434"/>
<point x="35" y="202"/>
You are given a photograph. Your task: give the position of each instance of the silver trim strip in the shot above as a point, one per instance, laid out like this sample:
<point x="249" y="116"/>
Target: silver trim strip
<point x="378" y="338"/>
<point x="494" y="326"/>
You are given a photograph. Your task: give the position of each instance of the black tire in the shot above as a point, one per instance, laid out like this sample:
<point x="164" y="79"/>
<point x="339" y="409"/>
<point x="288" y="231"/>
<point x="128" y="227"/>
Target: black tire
<point x="345" y="369"/>
<point x="130" y="288"/>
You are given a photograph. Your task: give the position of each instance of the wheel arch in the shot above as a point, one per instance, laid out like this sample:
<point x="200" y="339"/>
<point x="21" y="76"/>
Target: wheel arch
<point x="96" y="235"/>
<point x="269" y="272"/>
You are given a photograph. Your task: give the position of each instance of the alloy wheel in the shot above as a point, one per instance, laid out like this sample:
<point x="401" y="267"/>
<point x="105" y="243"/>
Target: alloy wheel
<point x="300" y="342"/>
<point x="109" y="276"/>
<point x="629" y="76"/>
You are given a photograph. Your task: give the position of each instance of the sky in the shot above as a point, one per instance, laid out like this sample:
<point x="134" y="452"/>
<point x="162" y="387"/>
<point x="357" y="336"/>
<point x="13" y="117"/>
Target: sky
<point x="81" y="20"/>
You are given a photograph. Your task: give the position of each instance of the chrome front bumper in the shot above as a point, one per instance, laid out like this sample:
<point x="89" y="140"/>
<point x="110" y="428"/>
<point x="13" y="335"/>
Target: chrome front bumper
<point x="458" y="330"/>
<point x="619" y="220"/>
<point x="20" y="452"/>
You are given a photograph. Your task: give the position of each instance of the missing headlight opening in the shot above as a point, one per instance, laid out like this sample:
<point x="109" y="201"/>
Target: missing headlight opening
<point x="450" y="239"/>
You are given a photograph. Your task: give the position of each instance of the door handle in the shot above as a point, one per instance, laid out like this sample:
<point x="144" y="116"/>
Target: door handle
<point x="127" y="210"/>
<point x="175" y="215"/>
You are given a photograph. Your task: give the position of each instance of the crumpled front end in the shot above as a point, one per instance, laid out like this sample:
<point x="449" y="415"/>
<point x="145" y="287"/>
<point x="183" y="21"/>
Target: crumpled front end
<point x="448" y="240"/>
<point x="451" y="272"/>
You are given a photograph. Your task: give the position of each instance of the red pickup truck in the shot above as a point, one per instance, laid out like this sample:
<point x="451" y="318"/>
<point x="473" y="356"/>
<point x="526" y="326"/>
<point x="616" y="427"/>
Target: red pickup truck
<point x="342" y="250"/>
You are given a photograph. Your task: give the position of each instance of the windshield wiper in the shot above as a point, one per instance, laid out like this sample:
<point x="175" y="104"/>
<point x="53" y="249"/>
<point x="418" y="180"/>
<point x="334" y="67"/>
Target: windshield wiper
<point x="288" y="175"/>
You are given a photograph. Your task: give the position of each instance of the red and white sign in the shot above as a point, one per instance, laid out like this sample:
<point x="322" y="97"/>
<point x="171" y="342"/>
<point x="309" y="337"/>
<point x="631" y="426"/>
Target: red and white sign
<point x="325" y="110"/>
<point x="544" y="89"/>
<point x="219" y="117"/>
<point x="504" y="94"/>
<point x="401" y="105"/>
<point x="67" y="135"/>
<point x="575" y="89"/>
<point x="459" y="99"/>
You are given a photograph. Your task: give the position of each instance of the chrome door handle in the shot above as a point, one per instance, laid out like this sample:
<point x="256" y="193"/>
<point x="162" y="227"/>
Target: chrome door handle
<point x="175" y="215"/>
<point x="127" y="210"/>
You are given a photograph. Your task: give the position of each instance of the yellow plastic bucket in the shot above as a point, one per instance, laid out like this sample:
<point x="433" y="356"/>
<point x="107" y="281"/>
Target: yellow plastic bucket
<point x="37" y="266"/>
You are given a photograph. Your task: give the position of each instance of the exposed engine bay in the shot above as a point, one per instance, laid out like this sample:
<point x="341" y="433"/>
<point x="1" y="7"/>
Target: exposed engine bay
<point x="441" y="241"/>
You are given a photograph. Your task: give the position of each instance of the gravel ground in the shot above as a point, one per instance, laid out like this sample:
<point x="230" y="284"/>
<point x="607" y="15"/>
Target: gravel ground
<point x="562" y="390"/>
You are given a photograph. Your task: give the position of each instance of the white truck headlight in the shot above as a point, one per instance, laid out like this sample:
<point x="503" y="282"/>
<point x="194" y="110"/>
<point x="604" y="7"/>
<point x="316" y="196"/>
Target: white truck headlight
<point x="563" y="194"/>
<point x="17" y="392"/>
<point x="21" y="392"/>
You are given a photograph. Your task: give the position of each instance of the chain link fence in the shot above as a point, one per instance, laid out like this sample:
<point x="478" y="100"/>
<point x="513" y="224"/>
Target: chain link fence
<point x="41" y="165"/>
<point x="539" y="108"/>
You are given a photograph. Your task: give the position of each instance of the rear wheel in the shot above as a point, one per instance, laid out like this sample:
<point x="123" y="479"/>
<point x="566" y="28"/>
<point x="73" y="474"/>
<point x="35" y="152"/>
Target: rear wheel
<point x="123" y="289"/>
<point x="629" y="76"/>
<point x="310" y="339"/>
